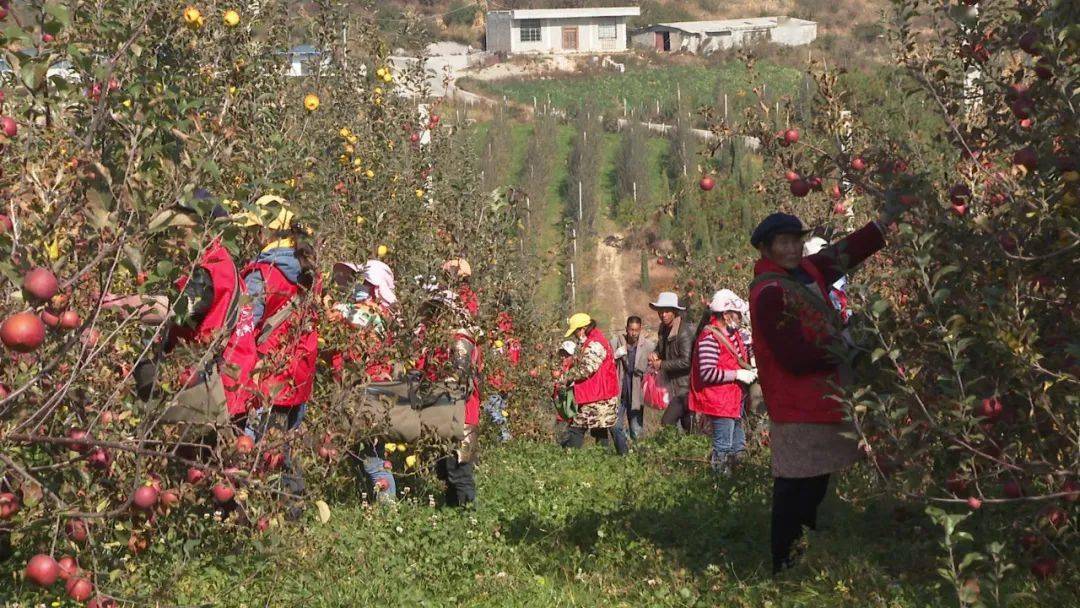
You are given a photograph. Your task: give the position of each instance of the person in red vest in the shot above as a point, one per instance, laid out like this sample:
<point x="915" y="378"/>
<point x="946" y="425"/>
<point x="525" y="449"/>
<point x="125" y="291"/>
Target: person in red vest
<point x="284" y="285"/>
<point x="212" y="297"/>
<point x="457" y="358"/>
<point x="796" y="333"/>
<point x="459" y="271"/>
<point x="720" y="371"/>
<point x="596" y="384"/>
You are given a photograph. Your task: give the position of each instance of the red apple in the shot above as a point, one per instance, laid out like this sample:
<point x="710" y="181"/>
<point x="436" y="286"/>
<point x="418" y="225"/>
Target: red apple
<point x="169" y="499"/>
<point x="22" y="332"/>
<point x="1028" y="40"/>
<point x="1012" y="489"/>
<point x="839" y="209"/>
<point x="1030" y="541"/>
<point x="1044" y="69"/>
<point x="194" y="475"/>
<point x="9" y="126"/>
<point x="959" y="209"/>
<point x="1071" y="490"/>
<point x="1026" y="123"/>
<point x="974" y="502"/>
<point x="244" y="444"/>
<point x="46" y="38"/>
<point x="990" y="408"/>
<point x="1054" y="516"/>
<point x="145" y="497"/>
<point x="262" y="524"/>
<point x="414" y="138"/>
<point x="68" y="567"/>
<point x="49" y="319"/>
<point x="9" y="505"/>
<point x="40" y="284"/>
<point x="79" y="589"/>
<point x="1044" y="567"/>
<point x="100" y="459"/>
<point x="76" y="530"/>
<point x="835" y="191"/>
<point x="791" y="176"/>
<point x="78" y="435"/>
<point x="273" y="460"/>
<point x="660" y="261"/>
<point x="956" y="484"/>
<point x="791" y="136"/>
<point x="814" y="182"/>
<point x="707" y="183"/>
<point x="222" y="493"/>
<point x="42" y="570"/>
<point x="799" y="187"/>
<point x="382" y="485"/>
<point x="69" y="319"/>
<point x="908" y="200"/>
<point x="386" y="464"/>
<point x="858" y="164"/>
<point x="101" y="602"/>
<point x="1027" y="158"/>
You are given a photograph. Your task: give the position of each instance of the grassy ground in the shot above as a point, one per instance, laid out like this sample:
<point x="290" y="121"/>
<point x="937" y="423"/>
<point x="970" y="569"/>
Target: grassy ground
<point x="583" y="528"/>
<point x="642" y="86"/>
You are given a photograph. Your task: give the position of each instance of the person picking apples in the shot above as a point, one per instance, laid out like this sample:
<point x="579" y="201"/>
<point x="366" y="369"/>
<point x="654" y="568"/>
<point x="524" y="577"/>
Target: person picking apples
<point x="211" y="297"/>
<point x="284" y="285"/>
<point x="795" y="331"/>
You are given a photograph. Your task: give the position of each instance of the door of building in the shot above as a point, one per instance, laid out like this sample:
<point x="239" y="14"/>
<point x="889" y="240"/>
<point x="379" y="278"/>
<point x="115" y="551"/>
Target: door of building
<point x="569" y="38"/>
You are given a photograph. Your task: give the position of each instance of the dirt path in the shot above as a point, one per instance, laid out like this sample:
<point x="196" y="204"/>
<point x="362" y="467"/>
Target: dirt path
<point x="610" y="292"/>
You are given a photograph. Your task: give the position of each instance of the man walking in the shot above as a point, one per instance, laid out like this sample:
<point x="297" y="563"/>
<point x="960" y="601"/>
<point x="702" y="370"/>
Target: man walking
<point x="632" y="352"/>
<point x="672" y="358"/>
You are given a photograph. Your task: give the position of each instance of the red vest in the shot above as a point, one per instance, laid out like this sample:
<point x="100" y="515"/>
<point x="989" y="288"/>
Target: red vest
<point x="794" y="397"/>
<point x="239" y="357"/>
<point x="472" y="402"/>
<point x="289" y="352"/>
<point x="604" y="384"/>
<point x="723" y="400"/>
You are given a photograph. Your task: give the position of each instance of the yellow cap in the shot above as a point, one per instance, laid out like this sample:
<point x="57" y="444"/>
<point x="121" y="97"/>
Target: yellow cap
<point x="577" y="322"/>
<point x="281" y="219"/>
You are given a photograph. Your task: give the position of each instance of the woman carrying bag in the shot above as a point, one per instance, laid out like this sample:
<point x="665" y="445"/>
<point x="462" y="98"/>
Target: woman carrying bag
<point x="720" y="376"/>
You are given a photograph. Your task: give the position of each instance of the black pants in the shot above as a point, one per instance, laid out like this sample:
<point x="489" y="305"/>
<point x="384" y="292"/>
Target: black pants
<point x="795" y="504"/>
<point x="460" y="478"/>
<point x="678" y="412"/>
<point x="575" y="438"/>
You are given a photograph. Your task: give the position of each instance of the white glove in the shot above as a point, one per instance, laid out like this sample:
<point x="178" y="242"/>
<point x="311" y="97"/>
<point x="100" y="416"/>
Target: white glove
<point x="746" y="376"/>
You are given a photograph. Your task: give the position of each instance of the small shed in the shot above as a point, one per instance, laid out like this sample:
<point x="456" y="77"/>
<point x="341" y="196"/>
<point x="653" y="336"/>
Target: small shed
<point x="305" y="60"/>
<point x="704" y="37"/>
<point x="559" y="30"/>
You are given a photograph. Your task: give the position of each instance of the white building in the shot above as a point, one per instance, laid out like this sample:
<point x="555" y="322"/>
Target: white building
<point x="705" y="37"/>
<point x="561" y="30"/>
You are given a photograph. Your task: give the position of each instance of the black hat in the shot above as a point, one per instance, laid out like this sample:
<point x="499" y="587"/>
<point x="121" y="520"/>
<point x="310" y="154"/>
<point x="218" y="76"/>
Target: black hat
<point x="777" y="223"/>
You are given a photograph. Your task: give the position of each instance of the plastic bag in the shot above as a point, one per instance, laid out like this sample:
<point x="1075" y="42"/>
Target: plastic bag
<point x="654" y="392"/>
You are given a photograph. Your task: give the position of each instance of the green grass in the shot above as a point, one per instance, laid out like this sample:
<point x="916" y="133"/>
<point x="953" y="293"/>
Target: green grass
<point x="642" y="86"/>
<point x="582" y="528"/>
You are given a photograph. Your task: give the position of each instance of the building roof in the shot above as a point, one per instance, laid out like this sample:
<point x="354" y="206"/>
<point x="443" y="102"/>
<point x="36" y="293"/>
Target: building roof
<point x="726" y="25"/>
<point x="572" y="13"/>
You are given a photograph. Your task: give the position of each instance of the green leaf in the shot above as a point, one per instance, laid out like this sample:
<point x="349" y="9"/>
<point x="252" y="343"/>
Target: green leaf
<point x="59" y="12"/>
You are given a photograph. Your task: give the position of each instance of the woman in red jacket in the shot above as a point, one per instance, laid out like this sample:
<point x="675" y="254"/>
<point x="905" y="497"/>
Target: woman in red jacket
<point x="284" y="285"/>
<point x="595" y="381"/>
<point x="719" y="372"/>
<point x="795" y="333"/>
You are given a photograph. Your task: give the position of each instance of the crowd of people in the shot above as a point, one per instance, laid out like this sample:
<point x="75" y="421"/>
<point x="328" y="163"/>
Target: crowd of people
<point x="256" y="327"/>
<point x="716" y="371"/>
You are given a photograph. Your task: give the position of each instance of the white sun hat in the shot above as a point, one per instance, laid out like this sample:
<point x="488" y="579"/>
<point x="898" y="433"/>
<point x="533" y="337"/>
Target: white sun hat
<point x="725" y="300"/>
<point x="667" y="299"/>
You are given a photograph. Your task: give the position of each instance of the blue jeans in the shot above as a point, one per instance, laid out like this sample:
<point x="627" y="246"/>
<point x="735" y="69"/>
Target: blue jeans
<point x="618" y="432"/>
<point x="374" y="459"/>
<point x="636" y="420"/>
<point x="728" y="439"/>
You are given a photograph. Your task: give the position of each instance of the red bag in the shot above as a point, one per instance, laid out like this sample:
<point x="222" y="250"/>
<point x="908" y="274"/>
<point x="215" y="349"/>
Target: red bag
<point x="654" y="392"/>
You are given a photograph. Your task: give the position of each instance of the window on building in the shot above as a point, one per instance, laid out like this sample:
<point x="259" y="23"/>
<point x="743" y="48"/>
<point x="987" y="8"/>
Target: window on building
<point x="607" y="30"/>
<point x="530" y="30"/>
